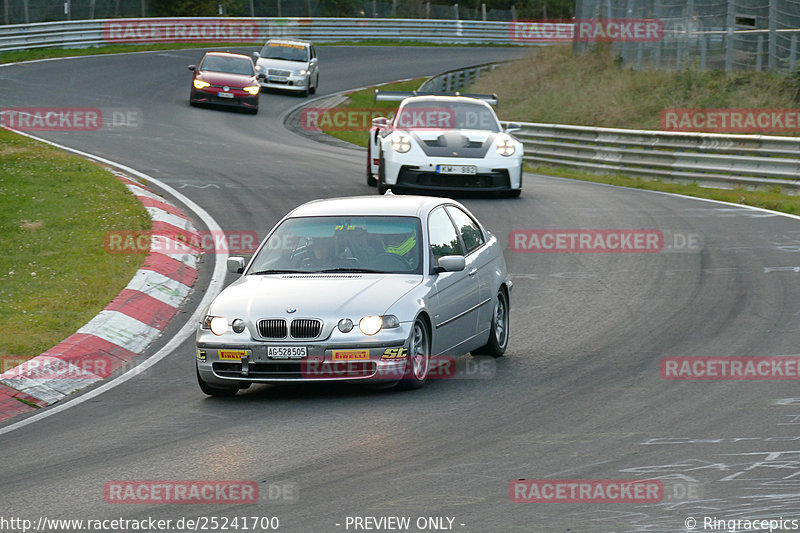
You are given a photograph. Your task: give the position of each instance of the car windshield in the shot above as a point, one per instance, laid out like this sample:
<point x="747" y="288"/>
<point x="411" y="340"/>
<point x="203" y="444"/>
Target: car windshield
<point x="381" y="244"/>
<point x="446" y="115"/>
<point x="285" y="51"/>
<point x="229" y="65"/>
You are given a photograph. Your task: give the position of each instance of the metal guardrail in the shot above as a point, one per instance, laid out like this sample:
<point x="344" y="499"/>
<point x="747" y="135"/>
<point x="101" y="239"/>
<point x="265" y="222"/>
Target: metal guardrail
<point x="703" y="157"/>
<point x="84" y="33"/>
<point x="747" y="160"/>
<point x="455" y="80"/>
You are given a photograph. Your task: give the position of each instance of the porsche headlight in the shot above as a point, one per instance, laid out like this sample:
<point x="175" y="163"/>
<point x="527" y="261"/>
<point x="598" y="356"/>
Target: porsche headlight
<point x="200" y="84"/>
<point x="370" y="325"/>
<point x="401" y="143"/>
<point x="301" y="72"/>
<point x="505" y="146"/>
<point x="253" y="89"/>
<point x="217" y="324"/>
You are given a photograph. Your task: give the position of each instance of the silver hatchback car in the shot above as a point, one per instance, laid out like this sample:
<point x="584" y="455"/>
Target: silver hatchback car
<point x="360" y="289"/>
<point x="288" y="65"/>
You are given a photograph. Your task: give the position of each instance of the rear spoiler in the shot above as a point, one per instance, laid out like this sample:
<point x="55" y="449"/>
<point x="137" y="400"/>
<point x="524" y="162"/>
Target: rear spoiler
<point x="397" y="96"/>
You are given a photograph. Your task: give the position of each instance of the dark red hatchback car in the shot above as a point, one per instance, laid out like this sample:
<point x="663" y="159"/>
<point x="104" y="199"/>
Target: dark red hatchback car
<point x="225" y="79"/>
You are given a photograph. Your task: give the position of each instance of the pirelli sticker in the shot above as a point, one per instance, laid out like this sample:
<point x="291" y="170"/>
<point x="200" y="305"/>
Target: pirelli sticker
<point x="350" y="355"/>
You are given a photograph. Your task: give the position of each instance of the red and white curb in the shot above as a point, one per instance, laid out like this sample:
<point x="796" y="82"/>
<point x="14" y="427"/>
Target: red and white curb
<point x="121" y="331"/>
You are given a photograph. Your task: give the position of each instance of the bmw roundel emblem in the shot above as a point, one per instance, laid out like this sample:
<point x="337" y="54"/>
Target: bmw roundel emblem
<point x="226" y="88"/>
<point x="290" y="309"/>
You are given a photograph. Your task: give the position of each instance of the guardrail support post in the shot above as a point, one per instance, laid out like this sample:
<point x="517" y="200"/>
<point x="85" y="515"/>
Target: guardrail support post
<point x="703" y="52"/>
<point x="729" y="37"/>
<point x="513" y="12"/>
<point x="483" y="12"/>
<point x="144" y="8"/>
<point x="91" y="7"/>
<point x="27" y="13"/>
<point x="68" y="10"/>
<point x="279" y="8"/>
<point x="773" y="35"/>
<point x="759" y="52"/>
<point x="5" y="11"/>
<point x="455" y="11"/>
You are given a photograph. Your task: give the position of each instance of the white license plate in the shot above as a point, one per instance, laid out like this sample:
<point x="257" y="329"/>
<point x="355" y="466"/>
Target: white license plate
<point x="225" y="95"/>
<point x="286" y="352"/>
<point x="456" y="169"/>
<point x="280" y="79"/>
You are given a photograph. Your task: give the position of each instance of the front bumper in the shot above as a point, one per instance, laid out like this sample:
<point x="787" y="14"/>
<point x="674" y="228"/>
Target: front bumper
<point x="381" y="361"/>
<point x="246" y="100"/>
<point x="292" y="83"/>
<point x="492" y="174"/>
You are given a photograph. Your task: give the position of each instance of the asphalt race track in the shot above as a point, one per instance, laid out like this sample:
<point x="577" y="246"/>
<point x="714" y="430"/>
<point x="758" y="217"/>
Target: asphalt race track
<point x="579" y="394"/>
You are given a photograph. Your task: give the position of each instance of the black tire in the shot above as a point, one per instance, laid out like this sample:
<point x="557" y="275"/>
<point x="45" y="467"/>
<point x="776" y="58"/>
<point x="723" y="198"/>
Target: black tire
<point x="211" y="390"/>
<point x="371" y="181"/>
<point x="418" y="362"/>
<point x="514" y="193"/>
<point x="498" y="335"/>
<point x="381" y="186"/>
<point x="316" y="84"/>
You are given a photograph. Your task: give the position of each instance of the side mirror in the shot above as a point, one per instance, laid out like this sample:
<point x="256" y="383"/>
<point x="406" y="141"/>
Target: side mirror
<point x="192" y="67"/>
<point x="451" y="263"/>
<point x="380" y="122"/>
<point x="256" y="55"/>
<point x="235" y="265"/>
<point x="512" y="127"/>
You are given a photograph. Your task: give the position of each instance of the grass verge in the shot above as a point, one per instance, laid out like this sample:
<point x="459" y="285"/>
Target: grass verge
<point x="49" y="53"/>
<point x="55" y="274"/>
<point x="365" y="99"/>
<point x="594" y="89"/>
<point x="771" y="198"/>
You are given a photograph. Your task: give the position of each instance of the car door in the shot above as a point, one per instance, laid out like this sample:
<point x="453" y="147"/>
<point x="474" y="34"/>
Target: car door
<point x="455" y="315"/>
<point x="479" y="257"/>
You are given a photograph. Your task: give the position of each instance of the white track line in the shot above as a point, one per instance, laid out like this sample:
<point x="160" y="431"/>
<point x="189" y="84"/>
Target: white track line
<point x="214" y="288"/>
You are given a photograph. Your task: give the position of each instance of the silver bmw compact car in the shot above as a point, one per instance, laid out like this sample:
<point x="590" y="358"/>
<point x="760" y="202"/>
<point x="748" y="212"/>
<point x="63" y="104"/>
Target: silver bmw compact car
<point x="363" y="289"/>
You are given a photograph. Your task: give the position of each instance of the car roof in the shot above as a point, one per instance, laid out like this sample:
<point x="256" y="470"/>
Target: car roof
<point x="387" y="204"/>
<point x="289" y="41"/>
<point x="431" y="98"/>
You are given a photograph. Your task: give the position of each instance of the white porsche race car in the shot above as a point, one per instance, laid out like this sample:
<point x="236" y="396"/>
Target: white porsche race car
<point x="449" y="143"/>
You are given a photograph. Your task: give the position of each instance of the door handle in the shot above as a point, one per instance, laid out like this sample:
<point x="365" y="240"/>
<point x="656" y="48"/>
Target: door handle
<point x="473" y="271"/>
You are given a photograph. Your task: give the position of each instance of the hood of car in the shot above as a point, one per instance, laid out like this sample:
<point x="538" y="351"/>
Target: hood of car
<point x="454" y="143"/>
<point x="280" y="64"/>
<point x="329" y="297"/>
<point x="224" y="78"/>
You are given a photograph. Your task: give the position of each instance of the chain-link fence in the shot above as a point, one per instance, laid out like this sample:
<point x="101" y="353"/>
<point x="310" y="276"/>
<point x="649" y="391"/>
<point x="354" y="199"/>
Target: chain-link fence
<point x="28" y="11"/>
<point x="707" y="34"/>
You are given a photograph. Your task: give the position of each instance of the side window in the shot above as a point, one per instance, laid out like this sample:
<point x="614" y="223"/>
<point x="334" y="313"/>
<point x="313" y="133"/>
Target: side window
<point x="313" y="52"/>
<point x="470" y="232"/>
<point x="442" y="235"/>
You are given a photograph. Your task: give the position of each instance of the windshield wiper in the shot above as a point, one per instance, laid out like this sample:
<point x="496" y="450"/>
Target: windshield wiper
<point x="350" y="269"/>
<point x="279" y="271"/>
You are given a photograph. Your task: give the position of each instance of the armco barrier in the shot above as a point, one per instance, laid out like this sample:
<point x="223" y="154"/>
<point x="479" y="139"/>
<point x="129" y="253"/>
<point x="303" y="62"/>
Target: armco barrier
<point x="83" y="33"/>
<point x="752" y="160"/>
<point x="704" y="157"/>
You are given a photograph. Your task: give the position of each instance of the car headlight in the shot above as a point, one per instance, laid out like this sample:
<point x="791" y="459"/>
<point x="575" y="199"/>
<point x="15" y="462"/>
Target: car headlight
<point x="217" y="324"/>
<point x="253" y="89"/>
<point x="200" y="84"/>
<point x="301" y="72"/>
<point x="370" y="325"/>
<point x="505" y="147"/>
<point x="401" y="143"/>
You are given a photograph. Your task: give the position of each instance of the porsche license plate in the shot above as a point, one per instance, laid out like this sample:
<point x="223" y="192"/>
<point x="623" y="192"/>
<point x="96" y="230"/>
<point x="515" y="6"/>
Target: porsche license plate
<point x="278" y="79"/>
<point x="225" y="95"/>
<point x="286" y="352"/>
<point x="456" y="169"/>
